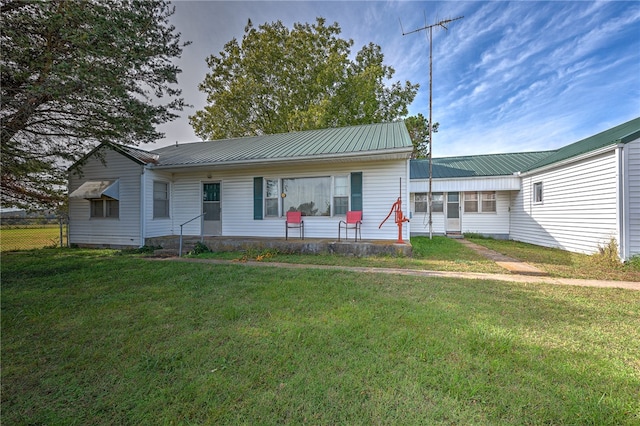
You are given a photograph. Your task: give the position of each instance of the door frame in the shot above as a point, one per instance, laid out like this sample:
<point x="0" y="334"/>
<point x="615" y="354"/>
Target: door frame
<point x="217" y="231"/>
<point x="453" y="225"/>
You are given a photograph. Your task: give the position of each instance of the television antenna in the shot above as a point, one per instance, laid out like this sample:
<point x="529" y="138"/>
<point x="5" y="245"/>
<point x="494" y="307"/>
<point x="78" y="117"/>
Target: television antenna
<point x="443" y="23"/>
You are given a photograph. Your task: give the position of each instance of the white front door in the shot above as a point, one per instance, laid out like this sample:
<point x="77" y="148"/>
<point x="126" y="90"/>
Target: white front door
<point x="453" y="212"/>
<point x="211" y="199"/>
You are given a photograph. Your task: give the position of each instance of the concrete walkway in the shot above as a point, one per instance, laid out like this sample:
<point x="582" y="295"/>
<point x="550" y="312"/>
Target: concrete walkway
<point x="512" y="265"/>
<point x="427" y="274"/>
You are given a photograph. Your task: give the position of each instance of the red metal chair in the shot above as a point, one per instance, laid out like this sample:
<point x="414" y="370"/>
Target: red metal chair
<point x="294" y="220"/>
<point x="354" y="221"/>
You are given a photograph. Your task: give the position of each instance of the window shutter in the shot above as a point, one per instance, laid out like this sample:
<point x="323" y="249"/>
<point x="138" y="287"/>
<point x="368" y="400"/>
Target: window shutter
<point x="356" y="191"/>
<point x="257" y="198"/>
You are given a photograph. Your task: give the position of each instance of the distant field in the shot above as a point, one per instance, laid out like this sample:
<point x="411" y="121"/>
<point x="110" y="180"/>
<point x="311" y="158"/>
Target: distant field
<point x="32" y="237"/>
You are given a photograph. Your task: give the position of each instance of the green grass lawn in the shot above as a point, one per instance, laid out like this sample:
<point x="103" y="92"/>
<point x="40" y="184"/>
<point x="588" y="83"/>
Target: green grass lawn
<point x="89" y="337"/>
<point x="32" y="237"/>
<point x="445" y="254"/>
<point x="560" y="263"/>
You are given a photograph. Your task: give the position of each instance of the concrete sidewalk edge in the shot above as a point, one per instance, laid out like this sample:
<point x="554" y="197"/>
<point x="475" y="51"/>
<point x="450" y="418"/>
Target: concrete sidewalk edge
<point x="629" y="285"/>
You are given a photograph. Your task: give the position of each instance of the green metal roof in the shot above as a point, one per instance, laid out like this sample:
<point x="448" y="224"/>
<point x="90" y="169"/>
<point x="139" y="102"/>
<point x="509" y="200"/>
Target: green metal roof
<point x="621" y="134"/>
<point x="312" y="144"/>
<point x="476" y="165"/>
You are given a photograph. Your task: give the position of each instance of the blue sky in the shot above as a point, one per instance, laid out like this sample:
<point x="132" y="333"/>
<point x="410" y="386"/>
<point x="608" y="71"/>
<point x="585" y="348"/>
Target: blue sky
<point x="508" y="77"/>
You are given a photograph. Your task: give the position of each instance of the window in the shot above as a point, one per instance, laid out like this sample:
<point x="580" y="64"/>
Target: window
<point x="105" y="208"/>
<point x="488" y="202"/>
<point x="437" y="202"/>
<point x="160" y="199"/>
<point x="480" y="202"/>
<point x="340" y="195"/>
<point x="470" y="202"/>
<point x="272" y="193"/>
<point x="537" y="192"/>
<point x="422" y="202"/>
<point x="311" y="196"/>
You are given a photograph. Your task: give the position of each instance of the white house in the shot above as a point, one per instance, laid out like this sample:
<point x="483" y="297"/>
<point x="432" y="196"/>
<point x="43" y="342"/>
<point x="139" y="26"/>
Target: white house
<point x="244" y="186"/>
<point x="576" y="198"/>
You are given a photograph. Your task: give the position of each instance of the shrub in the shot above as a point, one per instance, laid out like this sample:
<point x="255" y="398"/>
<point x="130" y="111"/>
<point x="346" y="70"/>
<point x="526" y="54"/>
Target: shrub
<point x="608" y="254"/>
<point x="200" y="248"/>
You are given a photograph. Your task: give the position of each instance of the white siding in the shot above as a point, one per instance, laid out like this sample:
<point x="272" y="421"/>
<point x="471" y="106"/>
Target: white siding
<point x="578" y="212"/>
<point x="124" y="231"/>
<point x="488" y="223"/>
<point x="472" y="184"/>
<point x="632" y="188"/>
<point x="380" y="190"/>
<point x="157" y="227"/>
<point x="494" y="224"/>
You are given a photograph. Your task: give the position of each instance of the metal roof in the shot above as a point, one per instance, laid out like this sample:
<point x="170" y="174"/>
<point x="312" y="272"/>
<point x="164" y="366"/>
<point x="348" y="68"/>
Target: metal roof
<point x="310" y="144"/>
<point x="476" y="165"/>
<point x="137" y="154"/>
<point x="621" y="134"/>
<point x="92" y="189"/>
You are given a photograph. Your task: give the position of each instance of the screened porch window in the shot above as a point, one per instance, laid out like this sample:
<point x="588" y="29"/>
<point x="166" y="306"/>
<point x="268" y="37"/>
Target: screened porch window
<point x="311" y="196"/>
<point x="480" y="202"/>
<point x="488" y="202"/>
<point x="422" y="202"/>
<point x="471" y="202"/>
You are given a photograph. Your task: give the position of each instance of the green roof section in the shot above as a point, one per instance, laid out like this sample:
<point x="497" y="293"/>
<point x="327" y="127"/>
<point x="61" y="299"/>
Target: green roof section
<point x="621" y="134"/>
<point x="310" y="144"/>
<point x="476" y="165"/>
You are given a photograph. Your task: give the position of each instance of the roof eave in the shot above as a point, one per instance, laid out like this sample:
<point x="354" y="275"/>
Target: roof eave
<point x="403" y="153"/>
<point x="570" y="160"/>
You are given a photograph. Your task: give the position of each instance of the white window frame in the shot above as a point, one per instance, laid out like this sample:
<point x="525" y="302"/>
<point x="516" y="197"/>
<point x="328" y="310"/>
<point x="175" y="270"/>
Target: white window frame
<point x="479" y="200"/>
<point x="424" y="205"/>
<point x="167" y="201"/>
<point x="274" y="197"/>
<point x="470" y="202"/>
<point x="335" y="196"/>
<point x="493" y="196"/>
<point x="538" y="193"/>
<point x="105" y="210"/>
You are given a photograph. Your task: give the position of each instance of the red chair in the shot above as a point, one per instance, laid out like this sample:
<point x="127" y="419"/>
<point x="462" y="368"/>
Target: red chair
<point x="294" y="220"/>
<point x="354" y="221"/>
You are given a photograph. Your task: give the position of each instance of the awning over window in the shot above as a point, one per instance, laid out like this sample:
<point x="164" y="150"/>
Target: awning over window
<point x="97" y="189"/>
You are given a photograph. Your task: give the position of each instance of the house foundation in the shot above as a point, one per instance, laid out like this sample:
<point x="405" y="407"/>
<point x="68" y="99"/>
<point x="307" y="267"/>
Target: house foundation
<point x="361" y="248"/>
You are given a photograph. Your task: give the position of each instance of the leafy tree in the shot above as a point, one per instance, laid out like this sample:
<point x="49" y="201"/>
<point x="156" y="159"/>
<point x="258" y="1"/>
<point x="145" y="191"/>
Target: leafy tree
<point x="278" y="80"/>
<point x="75" y="74"/>
<point x="418" y="127"/>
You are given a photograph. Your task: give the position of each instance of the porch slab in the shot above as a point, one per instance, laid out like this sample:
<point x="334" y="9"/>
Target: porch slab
<point x="361" y="248"/>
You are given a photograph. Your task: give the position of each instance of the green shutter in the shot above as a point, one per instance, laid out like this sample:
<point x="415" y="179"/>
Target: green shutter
<point x="356" y="191"/>
<point x="257" y="198"/>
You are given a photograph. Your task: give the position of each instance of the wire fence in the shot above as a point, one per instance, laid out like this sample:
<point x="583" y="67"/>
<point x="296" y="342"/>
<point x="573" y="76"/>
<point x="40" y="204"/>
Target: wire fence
<point x="33" y="231"/>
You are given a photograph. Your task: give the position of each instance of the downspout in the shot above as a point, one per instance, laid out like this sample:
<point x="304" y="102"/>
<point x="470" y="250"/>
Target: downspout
<point x="143" y="207"/>
<point x="408" y="168"/>
<point x="621" y="204"/>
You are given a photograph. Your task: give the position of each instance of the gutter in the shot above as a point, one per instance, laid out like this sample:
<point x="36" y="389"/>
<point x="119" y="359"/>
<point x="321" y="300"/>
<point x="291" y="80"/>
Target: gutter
<point x="143" y="208"/>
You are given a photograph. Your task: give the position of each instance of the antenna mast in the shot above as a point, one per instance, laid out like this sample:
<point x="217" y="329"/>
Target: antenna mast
<point x="430" y="28"/>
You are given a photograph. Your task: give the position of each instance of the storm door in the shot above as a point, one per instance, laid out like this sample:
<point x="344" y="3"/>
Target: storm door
<point x="211" y="221"/>
<point x="453" y="212"/>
